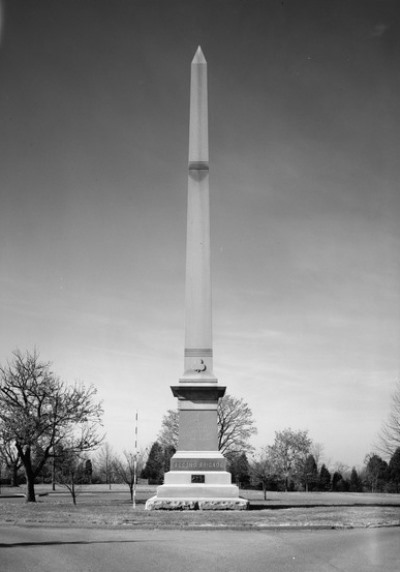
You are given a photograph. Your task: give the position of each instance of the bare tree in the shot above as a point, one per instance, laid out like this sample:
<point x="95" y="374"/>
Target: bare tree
<point x="125" y="469"/>
<point x="68" y="468"/>
<point x="342" y="468"/>
<point x="389" y="436"/>
<point x="235" y="426"/>
<point x="289" y="453"/>
<point x="317" y="451"/>
<point x="9" y="455"/>
<point x="2" y="465"/>
<point x="262" y="472"/>
<point x="105" y="461"/>
<point x="40" y="412"/>
<point x="168" y="436"/>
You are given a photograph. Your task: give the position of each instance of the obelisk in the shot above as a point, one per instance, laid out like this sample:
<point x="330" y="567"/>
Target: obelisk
<point x="198" y="328"/>
<point x="198" y="478"/>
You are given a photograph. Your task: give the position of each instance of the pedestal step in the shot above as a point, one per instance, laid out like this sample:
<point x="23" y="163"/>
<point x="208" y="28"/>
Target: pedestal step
<point x="198" y="491"/>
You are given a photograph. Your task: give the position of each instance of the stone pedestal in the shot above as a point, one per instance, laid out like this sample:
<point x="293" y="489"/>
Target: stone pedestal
<point x="197" y="481"/>
<point x="198" y="478"/>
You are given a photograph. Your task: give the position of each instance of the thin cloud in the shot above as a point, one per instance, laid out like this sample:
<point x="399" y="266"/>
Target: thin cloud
<point x="379" y="30"/>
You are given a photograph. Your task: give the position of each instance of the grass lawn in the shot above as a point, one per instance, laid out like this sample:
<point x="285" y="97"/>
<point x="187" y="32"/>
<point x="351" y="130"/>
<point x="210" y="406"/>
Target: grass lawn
<point x="98" y="506"/>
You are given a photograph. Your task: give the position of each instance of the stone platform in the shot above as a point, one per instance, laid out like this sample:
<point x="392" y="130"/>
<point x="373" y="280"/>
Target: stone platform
<point x="157" y="503"/>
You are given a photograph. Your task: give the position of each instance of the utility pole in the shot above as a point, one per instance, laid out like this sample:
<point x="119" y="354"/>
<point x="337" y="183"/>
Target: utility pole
<point x="135" y="460"/>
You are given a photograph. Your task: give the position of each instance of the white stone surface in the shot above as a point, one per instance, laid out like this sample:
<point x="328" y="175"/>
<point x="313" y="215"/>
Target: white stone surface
<point x="199" y="455"/>
<point x="155" y="503"/>
<point x="198" y="491"/>
<point x="223" y="504"/>
<point x="198" y="125"/>
<point x="198" y="313"/>
<point x="198" y="327"/>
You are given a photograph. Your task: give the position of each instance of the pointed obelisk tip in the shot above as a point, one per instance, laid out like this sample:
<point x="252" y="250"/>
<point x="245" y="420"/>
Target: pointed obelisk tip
<point x="199" y="57"/>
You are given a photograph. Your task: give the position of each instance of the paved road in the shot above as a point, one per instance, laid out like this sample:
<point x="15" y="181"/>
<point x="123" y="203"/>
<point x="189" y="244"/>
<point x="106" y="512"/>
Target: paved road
<point x="93" y="550"/>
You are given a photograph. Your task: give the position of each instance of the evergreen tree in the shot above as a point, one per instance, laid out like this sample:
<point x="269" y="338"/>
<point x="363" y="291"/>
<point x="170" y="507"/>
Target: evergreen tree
<point x="240" y="469"/>
<point x="309" y="476"/>
<point x="355" y="482"/>
<point x="376" y="473"/>
<point x="337" y="482"/>
<point x="169" y="451"/>
<point x="394" y="470"/>
<point x="88" y="471"/>
<point x="324" y="480"/>
<point x="154" y="469"/>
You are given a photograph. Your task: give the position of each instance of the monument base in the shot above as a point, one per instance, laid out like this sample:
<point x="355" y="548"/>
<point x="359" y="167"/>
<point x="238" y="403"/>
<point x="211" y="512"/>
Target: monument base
<point x="197" y="489"/>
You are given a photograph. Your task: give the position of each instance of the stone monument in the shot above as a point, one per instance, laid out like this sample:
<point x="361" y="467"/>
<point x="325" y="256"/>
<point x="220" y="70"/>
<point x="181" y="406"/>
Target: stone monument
<point x="198" y="478"/>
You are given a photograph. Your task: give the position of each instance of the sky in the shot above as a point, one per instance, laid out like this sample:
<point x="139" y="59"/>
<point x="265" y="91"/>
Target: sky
<point x="304" y="109"/>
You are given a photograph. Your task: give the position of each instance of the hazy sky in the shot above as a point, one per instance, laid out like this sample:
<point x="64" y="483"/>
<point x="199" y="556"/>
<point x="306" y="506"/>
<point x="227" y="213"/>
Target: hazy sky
<point x="304" y="101"/>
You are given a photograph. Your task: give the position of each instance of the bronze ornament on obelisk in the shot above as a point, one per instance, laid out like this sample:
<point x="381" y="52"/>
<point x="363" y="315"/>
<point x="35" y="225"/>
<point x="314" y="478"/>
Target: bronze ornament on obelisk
<point x="198" y="478"/>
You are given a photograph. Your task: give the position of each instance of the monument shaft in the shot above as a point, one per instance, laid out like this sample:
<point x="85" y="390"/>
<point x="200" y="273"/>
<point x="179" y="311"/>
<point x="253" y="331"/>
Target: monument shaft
<point x="198" y="324"/>
<point x="198" y="407"/>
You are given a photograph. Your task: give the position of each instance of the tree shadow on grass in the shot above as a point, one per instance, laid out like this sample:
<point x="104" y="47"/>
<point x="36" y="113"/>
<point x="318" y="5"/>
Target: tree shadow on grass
<point x="264" y="506"/>
<point x="63" y="542"/>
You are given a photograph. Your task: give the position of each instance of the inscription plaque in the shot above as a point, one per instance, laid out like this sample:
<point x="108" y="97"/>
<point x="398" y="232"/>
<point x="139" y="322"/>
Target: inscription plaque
<point x="198" y="465"/>
<point x="198" y="479"/>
